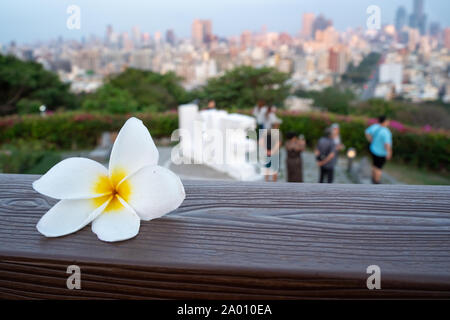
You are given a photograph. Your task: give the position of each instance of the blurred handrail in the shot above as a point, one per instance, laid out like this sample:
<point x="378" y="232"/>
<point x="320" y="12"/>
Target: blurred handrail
<point x="235" y="240"/>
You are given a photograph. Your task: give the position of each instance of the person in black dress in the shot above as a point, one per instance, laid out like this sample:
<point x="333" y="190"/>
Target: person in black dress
<point x="294" y="163"/>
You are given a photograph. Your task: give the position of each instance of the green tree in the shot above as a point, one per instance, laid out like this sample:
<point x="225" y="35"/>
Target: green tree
<point x="110" y="99"/>
<point x="26" y="106"/>
<point x="151" y="89"/>
<point x="28" y="80"/>
<point x="361" y="73"/>
<point x="331" y="99"/>
<point x="243" y="86"/>
<point x="406" y="112"/>
<point x="376" y="107"/>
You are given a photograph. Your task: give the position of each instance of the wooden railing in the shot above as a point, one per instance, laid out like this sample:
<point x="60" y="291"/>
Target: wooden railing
<point x="232" y="240"/>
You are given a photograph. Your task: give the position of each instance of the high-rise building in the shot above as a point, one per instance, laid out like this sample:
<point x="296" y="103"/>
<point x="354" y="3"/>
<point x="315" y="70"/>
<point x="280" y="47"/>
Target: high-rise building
<point x="88" y="59"/>
<point x="307" y="25"/>
<point x="207" y="29"/>
<point x="146" y="38"/>
<point x="202" y="31"/>
<point x="413" y="39"/>
<point x="403" y="37"/>
<point x="392" y="73"/>
<point x="28" y="55"/>
<point x="157" y="37"/>
<point x="170" y="37"/>
<point x="418" y="7"/>
<point x="141" y="59"/>
<point x="125" y="41"/>
<point x="197" y="32"/>
<point x="246" y="39"/>
<point x="435" y="29"/>
<point x="337" y="62"/>
<point x="136" y="35"/>
<point x="447" y="38"/>
<point x="320" y="24"/>
<point x="109" y="34"/>
<point x="418" y="19"/>
<point x="400" y="19"/>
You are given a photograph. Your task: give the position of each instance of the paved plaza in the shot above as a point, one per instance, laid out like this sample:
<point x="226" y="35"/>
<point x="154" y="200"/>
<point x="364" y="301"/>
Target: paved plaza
<point x="198" y="171"/>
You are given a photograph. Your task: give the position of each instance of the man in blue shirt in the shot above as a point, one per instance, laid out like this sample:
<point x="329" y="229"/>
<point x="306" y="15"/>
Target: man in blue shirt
<point x="380" y="139"/>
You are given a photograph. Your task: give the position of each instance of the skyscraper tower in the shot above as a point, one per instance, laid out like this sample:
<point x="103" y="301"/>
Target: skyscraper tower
<point x="170" y="36"/>
<point x="434" y="29"/>
<point x="197" y="32"/>
<point x="400" y="19"/>
<point x="136" y="35"/>
<point x="418" y="7"/>
<point x="109" y="34"/>
<point x="307" y="25"/>
<point x="201" y="31"/>
<point x="447" y="38"/>
<point x="320" y="23"/>
<point x="418" y="19"/>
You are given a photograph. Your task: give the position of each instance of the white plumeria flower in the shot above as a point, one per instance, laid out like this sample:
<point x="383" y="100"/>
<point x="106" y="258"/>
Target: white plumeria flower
<point x="114" y="200"/>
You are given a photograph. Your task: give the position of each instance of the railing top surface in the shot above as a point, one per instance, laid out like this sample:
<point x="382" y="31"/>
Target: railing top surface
<point x="302" y="230"/>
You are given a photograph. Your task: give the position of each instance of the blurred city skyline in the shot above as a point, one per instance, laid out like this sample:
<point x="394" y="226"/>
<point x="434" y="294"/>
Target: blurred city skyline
<point x="411" y="48"/>
<point x="26" y="22"/>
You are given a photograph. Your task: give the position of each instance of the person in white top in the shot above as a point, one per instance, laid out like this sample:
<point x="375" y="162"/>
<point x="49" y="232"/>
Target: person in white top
<point x="270" y="118"/>
<point x="259" y="112"/>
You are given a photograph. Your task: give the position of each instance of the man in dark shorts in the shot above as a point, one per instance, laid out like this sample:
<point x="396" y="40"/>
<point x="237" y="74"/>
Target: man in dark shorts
<point x="380" y="139"/>
<point x="326" y="157"/>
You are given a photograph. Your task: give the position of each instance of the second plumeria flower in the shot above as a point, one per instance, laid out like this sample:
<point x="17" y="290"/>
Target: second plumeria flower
<point x="134" y="188"/>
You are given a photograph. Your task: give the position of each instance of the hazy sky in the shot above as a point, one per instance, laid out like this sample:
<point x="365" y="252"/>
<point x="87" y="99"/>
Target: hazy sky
<point x="30" y="20"/>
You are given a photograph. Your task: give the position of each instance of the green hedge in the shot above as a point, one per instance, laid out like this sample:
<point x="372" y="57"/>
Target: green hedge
<point x="71" y="130"/>
<point x="32" y="157"/>
<point x="66" y="131"/>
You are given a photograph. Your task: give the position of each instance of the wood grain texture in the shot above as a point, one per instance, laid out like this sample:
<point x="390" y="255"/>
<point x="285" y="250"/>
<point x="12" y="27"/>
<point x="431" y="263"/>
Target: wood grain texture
<point x="232" y="240"/>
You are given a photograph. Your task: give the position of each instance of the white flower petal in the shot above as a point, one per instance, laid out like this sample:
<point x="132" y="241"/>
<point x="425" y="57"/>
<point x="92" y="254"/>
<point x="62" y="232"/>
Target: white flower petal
<point x="68" y="216"/>
<point x="153" y="192"/>
<point x="133" y="149"/>
<point x="73" y="178"/>
<point x="117" y="224"/>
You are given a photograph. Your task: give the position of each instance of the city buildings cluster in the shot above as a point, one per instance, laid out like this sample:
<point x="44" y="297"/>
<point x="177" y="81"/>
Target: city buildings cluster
<point x="414" y="65"/>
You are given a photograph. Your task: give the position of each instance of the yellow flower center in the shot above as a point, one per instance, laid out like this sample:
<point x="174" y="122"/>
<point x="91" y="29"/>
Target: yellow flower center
<point x="112" y="187"/>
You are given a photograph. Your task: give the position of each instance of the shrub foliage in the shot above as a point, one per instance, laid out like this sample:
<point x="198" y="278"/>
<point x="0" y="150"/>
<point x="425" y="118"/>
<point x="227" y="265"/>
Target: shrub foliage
<point x="73" y="130"/>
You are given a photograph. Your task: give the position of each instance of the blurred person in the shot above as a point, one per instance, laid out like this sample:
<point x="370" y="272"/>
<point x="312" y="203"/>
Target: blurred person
<point x="259" y="112"/>
<point x="211" y="105"/>
<point x="336" y="135"/>
<point x="380" y="139"/>
<point x="294" y="163"/>
<point x="270" y="118"/>
<point x="326" y="156"/>
<point x="272" y="143"/>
